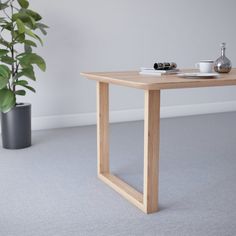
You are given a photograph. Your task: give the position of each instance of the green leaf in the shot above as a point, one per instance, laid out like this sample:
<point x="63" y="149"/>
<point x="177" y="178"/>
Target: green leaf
<point x="32" y="58"/>
<point x="3" y="6"/>
<point x="7" y="100"/>
<point x="20" y="26"/>
<point x="25" y="18"/>
<point x="28" y="72"/>
<point x="30" y="43"/>
<point x="23" y="92"/>
<point x="42" y="27"/>
<point x="24" y="84"/>
<point x="20" y="92"/>
<point x="3" y="82"/>
<point x="31" y="34"/>
<point x="7" y="60"/>
<point x="7" y="26"/>
<point x="39" y="39"/>
<point x="16" y="16"/>
<point x="30" y="22"/>
<point x="2" y="20"/>
<point x="27" y="48"/>
<point x="4" y="43"/>
<point x="23" y="3"/>
<point x="33" y="14"/>
<point x="5" y="72"/>
<point x="30" y="88"/>
<point x="21" y="82"/>
<point x="20" y="37"/>
<point x="44" y="32"/>
<point x="3" y="52"/>
<point x="21" y="55"/>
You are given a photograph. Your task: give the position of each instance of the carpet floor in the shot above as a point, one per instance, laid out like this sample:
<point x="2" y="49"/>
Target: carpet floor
<point x="51" y="188"/>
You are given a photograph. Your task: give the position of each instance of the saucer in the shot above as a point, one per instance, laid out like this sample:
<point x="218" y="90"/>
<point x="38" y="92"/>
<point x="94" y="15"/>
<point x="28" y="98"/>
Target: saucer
<point x="199" y="75"/>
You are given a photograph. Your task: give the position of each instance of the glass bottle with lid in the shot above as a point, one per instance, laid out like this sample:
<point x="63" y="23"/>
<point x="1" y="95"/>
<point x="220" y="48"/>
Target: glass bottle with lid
<point x="222" y="64"/>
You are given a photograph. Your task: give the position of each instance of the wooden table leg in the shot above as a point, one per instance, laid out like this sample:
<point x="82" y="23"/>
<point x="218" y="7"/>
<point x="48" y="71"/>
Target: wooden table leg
<point x="102" y="127"/>
<point x="147" y="201"/>
<point x="151" y="150"/>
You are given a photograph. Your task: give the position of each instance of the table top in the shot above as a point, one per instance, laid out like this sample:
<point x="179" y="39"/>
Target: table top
<point x="150" y="82"/>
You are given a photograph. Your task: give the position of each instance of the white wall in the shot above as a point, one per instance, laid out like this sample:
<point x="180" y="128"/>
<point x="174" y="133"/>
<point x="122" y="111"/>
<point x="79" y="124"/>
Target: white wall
<point x="113" y="35"/>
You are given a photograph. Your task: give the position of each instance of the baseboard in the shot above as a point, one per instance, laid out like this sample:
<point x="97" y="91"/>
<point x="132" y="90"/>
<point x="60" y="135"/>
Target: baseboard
<point x="82" y="119"/>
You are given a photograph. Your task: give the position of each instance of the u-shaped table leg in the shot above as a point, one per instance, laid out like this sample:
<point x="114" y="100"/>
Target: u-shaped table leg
<point x="148" y="201"/>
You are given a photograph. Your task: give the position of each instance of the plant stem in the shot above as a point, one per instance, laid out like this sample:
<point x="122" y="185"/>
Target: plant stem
<point x="17" y="67"/>
<point x="12" y="50"/>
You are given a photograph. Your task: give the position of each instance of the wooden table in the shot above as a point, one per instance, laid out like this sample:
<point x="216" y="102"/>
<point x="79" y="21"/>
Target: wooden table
<point x="152" y="85"/>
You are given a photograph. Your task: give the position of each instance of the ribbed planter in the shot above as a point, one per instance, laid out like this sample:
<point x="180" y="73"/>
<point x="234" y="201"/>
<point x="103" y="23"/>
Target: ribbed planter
<point x="16" y="127"/>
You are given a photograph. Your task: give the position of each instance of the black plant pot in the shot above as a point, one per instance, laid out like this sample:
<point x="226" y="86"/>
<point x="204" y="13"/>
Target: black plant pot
<point x="16" y="127"/>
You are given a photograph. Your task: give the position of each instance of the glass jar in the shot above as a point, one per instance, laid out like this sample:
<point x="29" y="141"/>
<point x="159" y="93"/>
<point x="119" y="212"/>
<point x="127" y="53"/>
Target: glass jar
<point x="222" y="64"/>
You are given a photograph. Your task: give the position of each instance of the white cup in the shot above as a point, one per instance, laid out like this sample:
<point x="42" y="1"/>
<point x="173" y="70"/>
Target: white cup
<point x="205" y="66"/>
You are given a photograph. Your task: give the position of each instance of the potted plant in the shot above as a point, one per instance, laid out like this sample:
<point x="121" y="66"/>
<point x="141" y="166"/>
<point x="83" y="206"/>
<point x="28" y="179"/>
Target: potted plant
<point x="18" y="35"/>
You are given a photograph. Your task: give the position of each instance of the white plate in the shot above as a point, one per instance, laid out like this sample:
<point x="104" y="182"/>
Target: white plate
<point x="199" y="75"/>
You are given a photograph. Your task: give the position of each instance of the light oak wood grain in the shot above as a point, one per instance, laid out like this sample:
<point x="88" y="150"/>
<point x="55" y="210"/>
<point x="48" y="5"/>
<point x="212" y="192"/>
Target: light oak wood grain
<point x="151" y="150"/>
<point x="103" y="168"/>
<point x="103" y="127"/>
<point x="124" y="189"/>
<point x="148" y="201"/>
<point x="149" y="82"/>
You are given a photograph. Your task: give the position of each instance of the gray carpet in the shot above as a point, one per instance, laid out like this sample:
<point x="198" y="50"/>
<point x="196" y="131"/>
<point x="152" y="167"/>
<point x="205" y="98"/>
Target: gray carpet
<point x="51" y="188"/>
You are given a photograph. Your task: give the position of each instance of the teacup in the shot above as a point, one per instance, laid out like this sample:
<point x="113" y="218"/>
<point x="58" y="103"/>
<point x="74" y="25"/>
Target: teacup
<point x="205" y="66"/>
